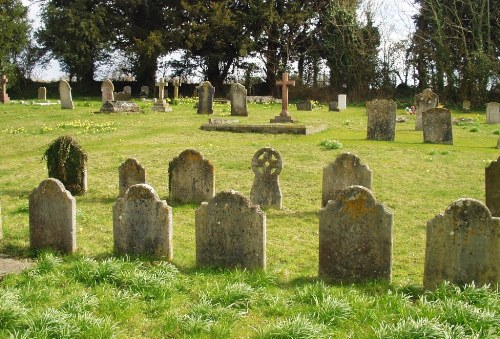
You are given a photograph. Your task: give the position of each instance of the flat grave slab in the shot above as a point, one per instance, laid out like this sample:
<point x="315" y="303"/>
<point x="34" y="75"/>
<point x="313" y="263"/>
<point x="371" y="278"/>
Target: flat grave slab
<point x="265" y="129"/>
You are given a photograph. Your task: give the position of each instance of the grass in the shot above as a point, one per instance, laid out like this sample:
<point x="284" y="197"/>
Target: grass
<point x="94" y="294"/>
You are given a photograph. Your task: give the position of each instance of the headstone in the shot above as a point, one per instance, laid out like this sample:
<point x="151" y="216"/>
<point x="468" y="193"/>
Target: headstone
<point x="144" y="92"/>
<point x="191" y="178"/>
<point x="65" y="95"/>
<point x="238" y="100"/>
<point x="1" y="229"/>
<point x="107" y="90"/>
<point x="142" y="223"/>
<point x="42" y="93"/>
<point x="160" y="104"/>
<point x="493" y="113"/>
<point x="498" y="143"/>
<point x="125" y="95"/>
<point x="437" y="126"/>
<point x="130" y="173"/>
<point x="333" y="106"/>
<point x="176" y="82"/>
<point x="205" y="98"/>
<point x="119" y="106"/>
<point x="346" y="170"/>
<point x="463" y="246"/>
<point x="284" y="117"/>
<point x="466" y="105"/>
<point x="52" y="217"/>
<point x="67" y="162"/>
<point x="230" y="232"/>
<point x="424" y="101"/>
<point x="355" y="238"/>
<point x="305" y="106"/>
<point x="342" y="99"/>
<point x="267" y="164"/>
<point x="4" y="97"/>
<point x="128" y="91"/>
<point x="492" y="184"/>
<point x="381" y="120"/>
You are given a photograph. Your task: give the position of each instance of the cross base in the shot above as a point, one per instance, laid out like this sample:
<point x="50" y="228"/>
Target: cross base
<point x="5" y="99"/>
<point x="282" y="119"/>
<point x="161" y="106"/>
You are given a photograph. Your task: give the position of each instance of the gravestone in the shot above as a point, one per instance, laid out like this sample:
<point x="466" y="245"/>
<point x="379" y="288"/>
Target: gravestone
<point x="333" y="106"/>
<point x="107" y="90"/>
<point x="67" y="162"/>
<point x="498" y="143"/>
<point x="305" y="106"/>
<point x="355" y="238"/>
<point x="346" y="170"/>
<point x="128" y="90"/>
<point x="65" y="95"/>
<point x="160" y="104"/>
<point x="1" y="229"/>
<point x="284" y="116"/>
<point x="205" y="98"/>
<point x="191" y="178"/>
<point x="267" y="164"/>
<point x="492" y="187"/>
<point x="466" y="105"/>
<point x="119" y="107"/>
<point x="424" y="101"/>
<point x="130" y="173"/>
<point x="144" y="92"/>
<point x="124" y="95"/>
<point x="342" y="99"/>
<point x="493" y="113"/>
<point x="230" y="232"/>
<point x="381" y="119"/>
<point x="176" y="82"/>
<point x="52" y="217"/>
<point x="42" y="93"/>
<point x="238" y="100"/>
<point x="437" y="126"/>
<point x="463" y="246"/>
<point x="142" y="224"/>
<point x="4" y="97"/>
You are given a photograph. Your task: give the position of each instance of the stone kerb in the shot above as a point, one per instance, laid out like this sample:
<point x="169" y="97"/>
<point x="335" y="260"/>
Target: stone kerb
<point x="346" y="170"/>
<point x="191" y="178"/>
<point x="238" y="100"/>
<point x="462" y="246"/>
<point x="424" y="101"/>
<point x="437" y="126"/>
<point x="130" y="173"/>
<point x="381" y="120"/>
<point x="52" y="217"/>
<point x="492" y="187"/>
<point x="142" y="224"/>
<point x="267" y="164"/>
<point x="230" y="233"/>
<point x="355" y="238"/>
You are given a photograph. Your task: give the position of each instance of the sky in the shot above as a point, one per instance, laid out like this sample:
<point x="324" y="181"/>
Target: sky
<point x="393" y="17"/>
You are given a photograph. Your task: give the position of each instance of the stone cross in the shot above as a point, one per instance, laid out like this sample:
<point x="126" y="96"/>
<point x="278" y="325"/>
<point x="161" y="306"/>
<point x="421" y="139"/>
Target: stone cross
<point x="284" y="93"/>
<point x="4" y="98"/>
<point x="161" y="88"/>
<point x="177" y="83"/>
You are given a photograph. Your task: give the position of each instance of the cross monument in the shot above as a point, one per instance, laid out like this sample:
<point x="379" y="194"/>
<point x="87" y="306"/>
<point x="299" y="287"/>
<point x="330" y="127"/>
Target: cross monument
<point x="4" y="98"/>
<point x="177" y="83"/>
<point x="160" y="104"/>
<point x="284" y="116"/>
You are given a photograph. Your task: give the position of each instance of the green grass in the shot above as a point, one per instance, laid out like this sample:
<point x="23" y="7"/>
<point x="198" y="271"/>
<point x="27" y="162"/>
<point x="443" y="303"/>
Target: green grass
<point x="93" y="294"/>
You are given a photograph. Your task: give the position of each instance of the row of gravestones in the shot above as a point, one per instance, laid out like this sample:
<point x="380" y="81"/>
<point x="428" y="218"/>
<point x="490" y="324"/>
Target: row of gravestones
<point x="355" y="233"/>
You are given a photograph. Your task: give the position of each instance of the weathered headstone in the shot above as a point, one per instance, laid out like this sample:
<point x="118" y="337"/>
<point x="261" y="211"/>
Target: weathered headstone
<point x="267" y="164"/>
<point x="142" y="223"/>
<point x="191" y="178"/>
<point x="355" y="238"/>
<point x="160" y="104"/>
<point x="492" y="185"/>
<point x="128" y="90"/>
<point x="333" y="106"/>
<point x="52" y="217"/>
<point x="284" y="115"/>
<point x="144" y="92"/>
<point x="42" y="93"/>
<point x="65" y="95"/>
<point x="1" y="229"/>
<point x="306" y="105"/>
<point x="124" y="95"/>
<point x="493" y="113"/>
<point x="466" y="105"/>
<point x="498" y="143"/>
<point x="176" y="82"/>
<point x="107" y="90"/>
<point x="346" y="170"/>
<point x="463" y="246"/>
<point x="119" y="107"/>
<point x="238" y="100"/>
<point x="381" y="119"/>
<point x="130" y="173"/>
<point x="230" y="233"/>
<point x="4" y="97"/>
<point x="205" y="98"/>
<point x="342" y="99"/>
<point x="424" y="101"/>
<point x="67" y="162"/>
<point x="437" y="126"/>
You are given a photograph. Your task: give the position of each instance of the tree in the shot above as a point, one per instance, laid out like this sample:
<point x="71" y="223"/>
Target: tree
<point x="77" y="34"/>
<point x="14" y="35"/>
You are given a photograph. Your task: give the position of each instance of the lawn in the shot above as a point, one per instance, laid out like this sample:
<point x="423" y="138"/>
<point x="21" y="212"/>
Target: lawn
<point x="94" y="294"/>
